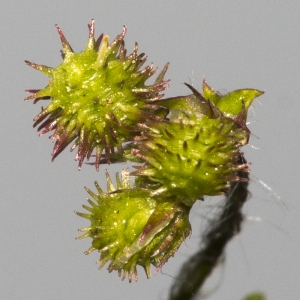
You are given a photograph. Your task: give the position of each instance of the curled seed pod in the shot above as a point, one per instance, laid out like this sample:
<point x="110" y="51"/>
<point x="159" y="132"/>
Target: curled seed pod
<point x="97" y="97"/>
<point x="129" y="227"/>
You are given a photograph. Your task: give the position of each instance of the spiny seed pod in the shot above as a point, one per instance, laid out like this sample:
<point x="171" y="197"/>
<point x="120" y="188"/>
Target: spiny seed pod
<point x="130" y="228"/>
<point x="195" y="153"/>
<point x="98" y="97"/>
<point x="192" y="158"/>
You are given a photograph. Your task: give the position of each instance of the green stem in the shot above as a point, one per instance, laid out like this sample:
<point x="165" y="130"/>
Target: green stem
<point x="197" y="269"/>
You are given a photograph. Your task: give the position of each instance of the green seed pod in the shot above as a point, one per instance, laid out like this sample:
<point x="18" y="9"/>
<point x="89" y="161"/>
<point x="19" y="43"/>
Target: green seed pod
<point x="130" y="228"/>
<point x="98" y="97"/>
<point x="195" y="153"/>
<point x="192" y="158"/>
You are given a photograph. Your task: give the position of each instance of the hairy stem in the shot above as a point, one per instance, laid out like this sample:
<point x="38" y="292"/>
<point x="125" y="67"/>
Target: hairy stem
<point x="197" y="269"/>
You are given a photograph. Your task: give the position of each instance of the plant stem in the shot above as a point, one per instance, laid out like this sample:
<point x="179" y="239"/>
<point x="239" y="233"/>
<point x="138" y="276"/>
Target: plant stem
<point x="227" y="224"/>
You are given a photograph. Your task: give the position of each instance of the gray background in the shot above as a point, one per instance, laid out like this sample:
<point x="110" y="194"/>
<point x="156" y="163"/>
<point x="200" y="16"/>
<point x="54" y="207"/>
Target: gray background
<point x="233" y="44"/>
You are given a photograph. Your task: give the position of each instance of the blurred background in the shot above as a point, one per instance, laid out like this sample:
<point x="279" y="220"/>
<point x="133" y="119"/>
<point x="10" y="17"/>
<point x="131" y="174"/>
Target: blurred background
<point x="232" y="45"/>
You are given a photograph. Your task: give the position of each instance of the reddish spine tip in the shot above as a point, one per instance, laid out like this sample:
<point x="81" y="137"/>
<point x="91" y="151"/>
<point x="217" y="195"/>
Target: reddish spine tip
<point x="64" y="41"/>
<point x="31" y="97"/>
<point x="91" y="28"/>
<point x="124" y="32"/>
<point x="33" y="65"/>
<point x="31" y="91"/>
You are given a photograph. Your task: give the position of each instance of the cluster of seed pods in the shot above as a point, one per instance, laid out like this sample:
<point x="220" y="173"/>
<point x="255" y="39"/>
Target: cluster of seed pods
<point x="184" y="148"/>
